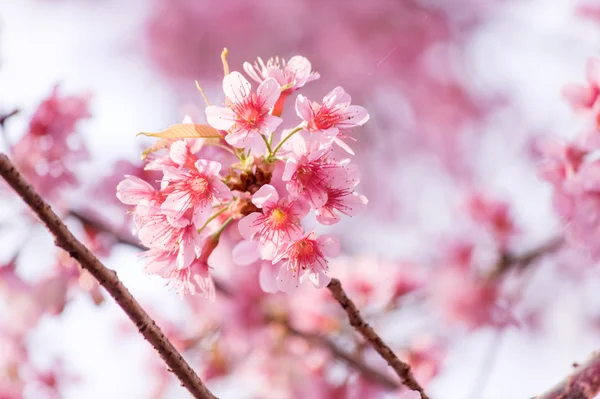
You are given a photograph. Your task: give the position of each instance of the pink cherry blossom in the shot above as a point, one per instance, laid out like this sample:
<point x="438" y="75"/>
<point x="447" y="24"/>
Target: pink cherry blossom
<point x="279" y="220"/>
<point x="306" y="257"/>
<point x="292" y="75"/>
<point x="312" y="174"/>
<point x="196" y="189"/>
<point x="246" y="113"/>
<point x="340" y="200"/>
<point x="332" y="119"/>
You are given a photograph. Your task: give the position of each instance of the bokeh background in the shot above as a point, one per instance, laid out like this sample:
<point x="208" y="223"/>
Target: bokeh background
<point x="459" y="93"/>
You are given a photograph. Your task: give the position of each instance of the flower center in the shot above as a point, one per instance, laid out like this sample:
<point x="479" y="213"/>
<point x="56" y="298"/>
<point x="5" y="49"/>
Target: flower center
<point x="278" y="217"/>
<point x="199" y="185"/>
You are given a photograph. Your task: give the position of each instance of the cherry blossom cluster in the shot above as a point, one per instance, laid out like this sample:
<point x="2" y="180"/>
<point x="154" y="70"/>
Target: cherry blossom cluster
<point x="239" y="169"/>
<point x="573" y="168"/>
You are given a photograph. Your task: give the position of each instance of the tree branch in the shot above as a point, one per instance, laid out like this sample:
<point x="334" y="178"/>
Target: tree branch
<point x="353" y="361"/>
<point x="402" y="369"/>
<point x="108" y="279"/>
<point x="583" y="383"/>
<point x="510" y="261"/>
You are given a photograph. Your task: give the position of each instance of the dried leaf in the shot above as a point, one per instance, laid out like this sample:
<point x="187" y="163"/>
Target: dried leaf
<point x="187" y="131"/>
<point x="159" y="145"/>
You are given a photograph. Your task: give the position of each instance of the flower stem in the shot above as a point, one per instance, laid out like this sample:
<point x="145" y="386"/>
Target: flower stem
<point x="267" y="144"/>
<point x="213" y="217"/>
<point x="296" y="130"/>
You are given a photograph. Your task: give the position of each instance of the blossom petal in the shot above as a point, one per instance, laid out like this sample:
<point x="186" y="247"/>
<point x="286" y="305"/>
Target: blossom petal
<point x="303" y="108"/>
<point x="330" y="245"/>
<point x="268" y="92"/>
<point x="179" y="152"/>
<point x="202" y="214"/>
<point x="248" y="227"/>
<point x="240" y="138"/>
<point x="269" y="124"/>
<point x="133" y="189"/>
<point x="245" y="253"/>
<point x="267" y="277"/>
<point x="221" y="118"/>
<point x="220" y="190"/>
<point x="265" y="195"/>
<point x="236" y="87"/>
<point x="335" y="97"/>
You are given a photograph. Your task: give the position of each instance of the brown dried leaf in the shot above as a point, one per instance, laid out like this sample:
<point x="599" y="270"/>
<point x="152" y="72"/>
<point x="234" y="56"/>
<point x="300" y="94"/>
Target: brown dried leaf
<point x="187" y="131"/>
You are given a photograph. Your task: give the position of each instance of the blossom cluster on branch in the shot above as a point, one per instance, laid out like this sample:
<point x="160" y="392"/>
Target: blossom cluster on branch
<point x="240" y="169"/>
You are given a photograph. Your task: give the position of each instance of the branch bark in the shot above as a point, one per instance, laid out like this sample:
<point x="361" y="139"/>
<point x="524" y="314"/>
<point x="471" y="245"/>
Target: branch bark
<point x="583" y="383"/>
<point x="108" y="279"/>
<point x="402" y="369"/>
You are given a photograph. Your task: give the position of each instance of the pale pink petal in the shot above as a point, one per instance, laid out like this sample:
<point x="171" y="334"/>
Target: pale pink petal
<point x="179" y="152"/>
<point x="265" y="195"/>
<point x="291" y="166"/>
<point x="247" y="226"/>
<point x="176" y="204"/>
<point x="221" y="118"/>
<point x="133" y="189"/>
<point x="268" y="250"/>
<point x="335" y="97"/>
<point x="187" y="252"/>
<point x="267" y="277"/>
<point x="356" y="116"/>
<point x="300" y="67"/>
<point x="355" y="204"/>
<point x="300" y="208"/>
<point x="206" y="285"/>
<point x="252" y="72"/>
<point x="327" y="216"/>
<point x="240" y="138"/>
<point x="303" y="108"/>
<point x="201" y="214"/>
<point x="245" y="253"/>
<point x="268" y="92"/>
<point x="330" y="246"/>
<point x="208" y="167"/>
<point x="269" y="124"/>
<point x="220" y="190"/>
<point x="318" y="278"/>
<point x="277" y="74"/>
<point x="236" y="87"/>
<point x="317" y="198"/>
<point x="287" y="280"/>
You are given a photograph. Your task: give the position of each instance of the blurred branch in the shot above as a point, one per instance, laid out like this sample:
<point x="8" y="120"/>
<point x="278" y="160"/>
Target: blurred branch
<point x="519" y="262"/>
<point x="402" y="369"/>
<point x="583" y="383"/>
<point x="353" y="361"/>
<point x="107" y="278"/>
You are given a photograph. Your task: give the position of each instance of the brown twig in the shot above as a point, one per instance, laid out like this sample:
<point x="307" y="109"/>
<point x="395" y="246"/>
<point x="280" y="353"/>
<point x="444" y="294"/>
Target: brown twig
<point x="107" y="278"/>
<point x="511" y="261"/>
<point x="402" y="369"/>
<point x="583" y="383"/>
<point x="353" y="361"/>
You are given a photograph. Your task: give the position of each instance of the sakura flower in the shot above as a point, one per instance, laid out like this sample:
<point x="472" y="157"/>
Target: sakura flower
<point x="311" y="175"/>
<point x="246" y="113"/>
<point x="342" y="200"/>
<point x="303" y="257"/>
<point x="175" y="244"/>
<point x="279" y="220"/>
<point x="196" y="189"/>
<point x="331" y="120"/>
<point x="291" y="75"/>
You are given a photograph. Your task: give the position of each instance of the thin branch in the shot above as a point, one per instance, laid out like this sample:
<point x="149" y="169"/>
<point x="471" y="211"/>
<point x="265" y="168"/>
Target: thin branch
<point x="107" y="278"/>
<point x="402" y="369"/>
<point x="583" y="383"/>
<point x="510" y="261"/>
<point x="353" y="361"/>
